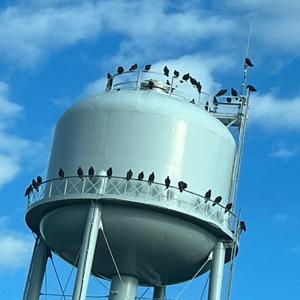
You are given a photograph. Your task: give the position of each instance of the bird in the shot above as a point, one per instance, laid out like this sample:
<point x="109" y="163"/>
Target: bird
<point x="28" y="191"/>
<point x="193" y="81"/>
<point x="192" y="101"/>
<point x="151" y="178"/>
<point x="150" y="84"/>
<point x="228" y="99"/>
<point x="91" y="172"/>
<point x="199" y="87"/>
<point x="167" y="182"/>
<point x="182" y="186"/>
<point x="186" y="76"/>
<point x="207" y="196"/>
<point x="228" y="207"/>
<point x="221" y="93"/>
<point x="39" y="180"/>
<point x="251" y="88"/>
<point x="35" y="184"/>
<point x="147" y="67"/>
<point x="168" y="82"/>
<point x="61" y="173"/>
<point x="109" y="172"/>
<point x="206" y="106"/>
<point x="176" y="74"/>
<point x="217" y="200"/>
<point x="129" y="174"/>
<point x="248" y="62"/>
<point x="141" y="176"/>
<point x="120" y="70"/>
<point x="166" y="71"/>
<point x="80" y="172"/>
<point x="109" y="76"/>
<point x="242" y="226"/>
<point x="234" y="92"/>
<point x="215" y="101"/>
<point x="133" y="67"/>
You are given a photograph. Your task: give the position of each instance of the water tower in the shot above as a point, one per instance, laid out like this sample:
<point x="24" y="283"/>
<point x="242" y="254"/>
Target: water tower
<point x="132" y="228"/>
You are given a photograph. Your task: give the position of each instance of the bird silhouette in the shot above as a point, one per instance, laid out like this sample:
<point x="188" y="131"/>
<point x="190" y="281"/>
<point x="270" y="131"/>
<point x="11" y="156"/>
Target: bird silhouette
<point x="109" y="172"/>
<point x="133" y="67"/>
<point x="28" y="191"/>
<point x="192" y="101"/>
<point x="207" y="196"/>
<point x="61" y="173"/>
<point x="215" y="101"/>
<point x="206" y="105"/>
<point x="193" y="81"/>
<point x="166" y="71"/>
<point x="199" y="87"/>
<point x="35" y="184"/>
<point x="251" y="88"/>
<point x="248" y="62"/>
<point x="151" y="178"/>
<point x="39" y="180"/>
<point x="148" y="67"/>
<point x="91" y="172"/>
<point x="242" y="226"/>
<point x="176" y="74"/>
<point x="167" y="182"/>
<point x="168" y="82"/>
<point x="182" y="186"/>
<point x="141" y="176"/>
<point x="228" y="207"/>
<point x="120" y="70"/>
<point x="186" y="76"/>
<point x="228" y="99"/>
<point x="80" y="172"/>
<point x="109" y="76"/>
<point x="221" y="93"/>
<point x="217" y="200"/>
<point x="150" y="84"/>
<point x="234" y="92"/>
<point x="129" y="174"/>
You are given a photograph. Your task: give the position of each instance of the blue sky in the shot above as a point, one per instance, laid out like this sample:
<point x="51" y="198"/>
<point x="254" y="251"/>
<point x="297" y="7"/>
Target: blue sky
<point x="55" y="52"/>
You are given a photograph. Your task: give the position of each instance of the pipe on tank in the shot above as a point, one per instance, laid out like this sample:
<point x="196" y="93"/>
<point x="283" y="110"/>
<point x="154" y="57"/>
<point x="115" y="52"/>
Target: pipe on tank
<point x="36" y="270"/>
<point x="216" y="273"/>
<point x="123" y="288"/>
<point x="159" y="292"/>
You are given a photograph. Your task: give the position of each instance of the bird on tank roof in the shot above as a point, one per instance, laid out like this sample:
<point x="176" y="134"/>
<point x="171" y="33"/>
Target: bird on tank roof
<point x="248" y="62"/>
<point x="91" y="172"/>
<point x="176" y="74"/>
<point x="228" y="207"/>
<point x="109" y="172"/>
<point x="148" y="67"/>
<point x="251" y="88"/>
<point x="80" y="172"/>
<point x="217" y="200"/>
<point x="167" y="182"/>
<point x="193" y="81"/>
<point x="28" y="191"/>
<point x="61" y="173"/>
<point x="186" y="76"/>
<point x="141" y="176"/>
<point x="133" y="67"/>
<point x="151" y="178"/>
<point x="150" y="84"/>
<point x="129" y="174"/>
<point x="166" y="71"/>
<point x="207" y="195"/>
<point x="35" y="184"/>
<point x="182" y="186"/>
<point x="39" y="180"/>
<point x="120" y="70"/>
<point x="242" y="226"/>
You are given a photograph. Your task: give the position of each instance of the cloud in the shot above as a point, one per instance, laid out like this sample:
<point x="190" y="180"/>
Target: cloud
<point x="283" y="152"/>
<point x="273" y="113"/>
<point x="13" y="149"/>
<point x="16" y="247"/>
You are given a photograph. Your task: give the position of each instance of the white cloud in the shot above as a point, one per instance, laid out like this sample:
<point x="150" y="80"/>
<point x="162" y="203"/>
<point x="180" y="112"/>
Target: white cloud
<point x="16" y="247"/>
<point x="13" y="149"/>
<point x="274" y="113"/>
<point x="283" y="152"/>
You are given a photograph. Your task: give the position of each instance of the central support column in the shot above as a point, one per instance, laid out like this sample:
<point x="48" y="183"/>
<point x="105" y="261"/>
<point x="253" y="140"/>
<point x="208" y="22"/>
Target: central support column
<point x="159" y="292"/>
<point x="123" y="290"/>
<point x="216" y="273"/>
<point x="87" y="251"/>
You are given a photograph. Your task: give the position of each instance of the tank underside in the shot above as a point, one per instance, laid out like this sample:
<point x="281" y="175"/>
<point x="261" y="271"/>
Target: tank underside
<point x="156" y="247"/>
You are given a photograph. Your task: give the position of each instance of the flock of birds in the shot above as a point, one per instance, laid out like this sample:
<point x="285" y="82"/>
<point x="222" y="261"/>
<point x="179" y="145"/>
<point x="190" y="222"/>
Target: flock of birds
<point x="185" y="78"/>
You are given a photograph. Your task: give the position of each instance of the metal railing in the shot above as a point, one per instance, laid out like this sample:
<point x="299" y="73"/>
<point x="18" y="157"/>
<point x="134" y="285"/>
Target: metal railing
<point x="134" y="190"/>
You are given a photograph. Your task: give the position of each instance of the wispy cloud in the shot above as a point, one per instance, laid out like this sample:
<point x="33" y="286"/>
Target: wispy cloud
<point x="283" y="152"/>
<point x="16" y="247"/>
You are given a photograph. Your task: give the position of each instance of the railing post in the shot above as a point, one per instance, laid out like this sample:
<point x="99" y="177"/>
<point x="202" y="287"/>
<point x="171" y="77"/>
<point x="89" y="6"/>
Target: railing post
<point x="103" y="182"/>
<point x="66" y="185"/>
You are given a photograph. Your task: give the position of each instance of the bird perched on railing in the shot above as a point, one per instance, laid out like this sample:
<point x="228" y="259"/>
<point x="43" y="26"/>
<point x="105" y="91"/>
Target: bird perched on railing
<point x="109" y="172"/>
<point x="61" y="173"/>
<point x="28" y="191"/>
<point x="35" y="185"/>
<point x="141" y="176"/>
<point x="228" y="207"/>
<point x="217" y="200"/>
<point x="91" y="172"/>
<point x="166" y="71"/>
<point x="39" y="180"/>
<point x="151" y="178"/>
<point x="221" y="93"/>
<point x="129" y="175"/>
<point x="167" y="182"/>
<point x="193" y="81"/>
<point x="186" y="76"/>
<point x="234" y="92"/>
<point x="148" y="67"/>
<point x="242" y="226"/>
<point x="182" y="186"/>
<point x="248" y="63"/>
<point x="176" y="74"/>
<point x="150" y="84"/>
<point x="251" y="88"/>
<point x="120" y="70"/>
<point x="207" y="195"/>
<point x="199" y="87"/>
<point x="133" y="67"/>
<point x="80" y="172"/>
<point x="206" y="106"/>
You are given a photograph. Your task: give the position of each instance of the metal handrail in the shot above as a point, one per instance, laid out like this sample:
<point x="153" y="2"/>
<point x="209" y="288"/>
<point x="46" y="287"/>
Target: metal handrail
<point x="133" y="190"/>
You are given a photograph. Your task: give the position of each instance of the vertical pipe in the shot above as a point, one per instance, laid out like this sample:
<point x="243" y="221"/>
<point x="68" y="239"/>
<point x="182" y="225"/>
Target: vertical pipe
<point x="36" y="270"/>
<point x="216" y="273"/>
<point x="87" y="251"/>
<point x="123" y="290"/>
<point x="159" y="292"/>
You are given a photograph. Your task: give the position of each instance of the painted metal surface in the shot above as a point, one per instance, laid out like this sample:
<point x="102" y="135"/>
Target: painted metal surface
<point x="123" y="288"/>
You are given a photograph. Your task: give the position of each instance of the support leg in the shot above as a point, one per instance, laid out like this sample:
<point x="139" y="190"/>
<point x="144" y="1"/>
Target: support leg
<point x="216" y="273"/>
<point x="120" y="292"/>
<point x="159" y="292"/>
<point x="87" y="252"/>
<point x="36" y="271"/>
